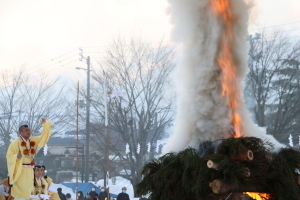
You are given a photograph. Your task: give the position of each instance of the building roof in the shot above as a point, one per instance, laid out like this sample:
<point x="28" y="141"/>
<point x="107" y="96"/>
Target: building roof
<point x="56" y="141"/>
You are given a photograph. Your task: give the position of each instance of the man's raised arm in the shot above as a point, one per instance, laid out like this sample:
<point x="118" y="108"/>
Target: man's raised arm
<point x="45" y="135"/>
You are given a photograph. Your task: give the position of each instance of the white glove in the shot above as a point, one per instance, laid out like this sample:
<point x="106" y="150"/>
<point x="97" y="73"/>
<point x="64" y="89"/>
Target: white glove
<point x="4" y="190"/>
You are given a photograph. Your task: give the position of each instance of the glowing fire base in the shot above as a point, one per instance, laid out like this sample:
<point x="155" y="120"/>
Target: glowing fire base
<point x="231" y="169"/>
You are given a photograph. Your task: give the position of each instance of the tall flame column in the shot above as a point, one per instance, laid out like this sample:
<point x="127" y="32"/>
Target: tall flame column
<point x="211" y="35"/>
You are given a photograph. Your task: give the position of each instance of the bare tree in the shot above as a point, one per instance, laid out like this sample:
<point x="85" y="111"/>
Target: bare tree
<point x="284" y="116"/>
<point x="274" y="83"/>
<point x="141" y="115"/>
<point x="25" y="99"/>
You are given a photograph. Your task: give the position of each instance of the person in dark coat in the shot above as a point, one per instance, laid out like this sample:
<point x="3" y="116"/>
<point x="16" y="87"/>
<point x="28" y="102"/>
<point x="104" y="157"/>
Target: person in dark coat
<point x="80" y="195"/>
<point x="103" y="194"/>
<point x="93" y="195"/>
<point x="61" y="195"/>
<point x="123" y="195"/>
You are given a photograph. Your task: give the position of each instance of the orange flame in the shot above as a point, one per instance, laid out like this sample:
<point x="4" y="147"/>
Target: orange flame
<point x="230" y="89"/>
<point x="258" y="196"/>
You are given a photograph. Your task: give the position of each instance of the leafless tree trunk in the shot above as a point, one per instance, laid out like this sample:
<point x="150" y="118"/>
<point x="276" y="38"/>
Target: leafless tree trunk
<point x="274" y="82"/>
<point x="144" y="113"/>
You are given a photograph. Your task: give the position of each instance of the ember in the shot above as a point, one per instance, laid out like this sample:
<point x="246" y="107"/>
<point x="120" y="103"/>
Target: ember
<point x="258" y="196"/>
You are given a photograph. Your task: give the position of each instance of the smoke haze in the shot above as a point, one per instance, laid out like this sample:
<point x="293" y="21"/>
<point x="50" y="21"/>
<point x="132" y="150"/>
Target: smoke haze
<point x="202" y="113"/>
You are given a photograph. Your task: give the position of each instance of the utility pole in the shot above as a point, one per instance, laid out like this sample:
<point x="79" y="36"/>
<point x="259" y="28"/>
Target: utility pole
<point x="77" y="115"/>
<point x="251" y="86"/>
<point x="87" y="129"/>
<point x="107" y="139"/>
<point x="251" y="39"/>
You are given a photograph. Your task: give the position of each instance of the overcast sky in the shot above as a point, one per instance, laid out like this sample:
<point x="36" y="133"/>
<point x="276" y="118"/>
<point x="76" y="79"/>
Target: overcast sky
<point x="46" y="34"/>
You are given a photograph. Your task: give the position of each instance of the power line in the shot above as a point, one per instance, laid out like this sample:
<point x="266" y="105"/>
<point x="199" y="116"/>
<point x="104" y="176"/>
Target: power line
<point x="126" y="44"/>
<point x="271" y="33"/>
<point x="59" y="62"/>
<point x="51" y="60"/>
<point x="56" y="63"/>
<point x="290" y="30"/>
<point x="275" y="26"/>
<point x="62" y="65"/>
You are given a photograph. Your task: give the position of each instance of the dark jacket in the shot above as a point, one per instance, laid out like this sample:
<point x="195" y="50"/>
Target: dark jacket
<point x="102" y="195"/>
<point x="93" y="194"/>
<point x="123" y="196"/>
<point x="62" y="196"/>
<point x="81" y="197"/>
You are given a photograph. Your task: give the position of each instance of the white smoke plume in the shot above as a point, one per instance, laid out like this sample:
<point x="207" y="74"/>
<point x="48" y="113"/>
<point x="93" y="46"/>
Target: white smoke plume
<point x="202" y="113"/>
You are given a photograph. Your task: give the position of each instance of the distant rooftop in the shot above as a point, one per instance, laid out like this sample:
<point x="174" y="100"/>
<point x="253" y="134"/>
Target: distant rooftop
<point x="64" y="141"/>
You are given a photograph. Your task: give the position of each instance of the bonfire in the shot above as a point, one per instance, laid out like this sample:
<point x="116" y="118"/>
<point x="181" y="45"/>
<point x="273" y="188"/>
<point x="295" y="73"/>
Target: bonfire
<point x="235" y="164"/>
<point x="241" y="168"/>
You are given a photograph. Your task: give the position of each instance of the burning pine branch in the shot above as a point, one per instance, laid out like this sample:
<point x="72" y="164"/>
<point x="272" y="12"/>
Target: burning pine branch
<point x="236" y="168"/>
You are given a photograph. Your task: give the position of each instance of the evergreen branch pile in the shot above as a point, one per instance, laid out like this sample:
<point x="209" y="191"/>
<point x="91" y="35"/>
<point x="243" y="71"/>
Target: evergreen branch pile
<point x="214" y="171"/>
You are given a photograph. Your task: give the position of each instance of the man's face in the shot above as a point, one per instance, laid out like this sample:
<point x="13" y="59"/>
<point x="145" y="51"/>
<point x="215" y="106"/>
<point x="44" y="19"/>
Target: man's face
<point x="25" y="132"/>
<point x="38" y="172"/>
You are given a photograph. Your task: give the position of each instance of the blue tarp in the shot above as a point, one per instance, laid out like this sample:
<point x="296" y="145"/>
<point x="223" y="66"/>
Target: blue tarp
<point x="85" y="188"/>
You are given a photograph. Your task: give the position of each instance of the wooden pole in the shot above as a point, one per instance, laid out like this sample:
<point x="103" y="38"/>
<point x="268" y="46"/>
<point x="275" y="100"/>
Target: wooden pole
<point x="77" y="117"/>
<point x="107" y="162"/>
<point x="87" y="143"/>
<point x="107" y="138"/>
